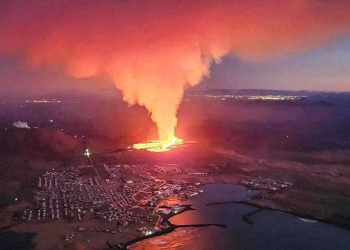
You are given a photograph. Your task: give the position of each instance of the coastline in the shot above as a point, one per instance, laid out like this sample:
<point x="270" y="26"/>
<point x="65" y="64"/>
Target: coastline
<point x="246" y="217"/>
<point x="252" y="202"/>
<point x="170" y="229"/>
<point x="261" y="208"/>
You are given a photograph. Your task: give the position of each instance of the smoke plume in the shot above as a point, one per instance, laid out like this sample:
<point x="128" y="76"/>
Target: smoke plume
<point x="153" y="49"/>
<point x="20" y="124"/>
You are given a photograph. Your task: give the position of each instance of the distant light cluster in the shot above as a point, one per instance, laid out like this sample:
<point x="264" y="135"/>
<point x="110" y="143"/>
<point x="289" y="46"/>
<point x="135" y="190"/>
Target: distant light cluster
<point x="44" y="101"/>
<point x="253" y="97"/>
<point x="275" y="97"/>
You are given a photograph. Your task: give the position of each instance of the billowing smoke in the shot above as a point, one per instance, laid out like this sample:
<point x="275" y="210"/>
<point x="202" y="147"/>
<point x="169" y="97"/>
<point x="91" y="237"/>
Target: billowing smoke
<point x="153" y="49"/>
<point x="20" y="124"/>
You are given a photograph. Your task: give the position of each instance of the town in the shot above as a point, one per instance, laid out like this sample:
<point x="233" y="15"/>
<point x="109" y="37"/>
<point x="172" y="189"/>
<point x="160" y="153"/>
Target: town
<point x="265" y="184"/>
<point x="75" y="193"/>
<point x="119" y="197"/>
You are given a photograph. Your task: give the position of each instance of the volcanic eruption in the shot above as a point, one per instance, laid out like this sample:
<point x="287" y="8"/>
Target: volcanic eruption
<point x="152" y="50"/>
<point x="159" y="146"/>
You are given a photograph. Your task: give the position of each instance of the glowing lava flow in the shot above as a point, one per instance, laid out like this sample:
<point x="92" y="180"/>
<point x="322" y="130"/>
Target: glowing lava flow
<point x="159" y="146"/>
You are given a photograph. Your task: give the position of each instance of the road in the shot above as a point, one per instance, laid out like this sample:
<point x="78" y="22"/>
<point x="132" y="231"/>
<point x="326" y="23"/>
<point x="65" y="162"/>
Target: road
<point x="94" y="166"/>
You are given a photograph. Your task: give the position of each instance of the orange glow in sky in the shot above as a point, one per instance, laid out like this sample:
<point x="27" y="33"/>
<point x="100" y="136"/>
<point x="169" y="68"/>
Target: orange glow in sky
<point x="153" y="50"/>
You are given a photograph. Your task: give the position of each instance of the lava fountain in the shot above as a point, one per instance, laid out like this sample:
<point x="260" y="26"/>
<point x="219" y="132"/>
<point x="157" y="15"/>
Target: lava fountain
<point x="159" y="146"/>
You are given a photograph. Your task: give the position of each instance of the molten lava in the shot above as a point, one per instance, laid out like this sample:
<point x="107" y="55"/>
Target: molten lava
<point x="159" y="146"/>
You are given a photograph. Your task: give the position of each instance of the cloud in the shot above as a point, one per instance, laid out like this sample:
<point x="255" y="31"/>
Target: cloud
<point x="153" y="49"/>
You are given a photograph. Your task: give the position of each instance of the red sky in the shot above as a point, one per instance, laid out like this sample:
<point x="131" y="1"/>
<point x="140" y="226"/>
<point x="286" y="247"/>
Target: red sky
<point x="152" y="50"/>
